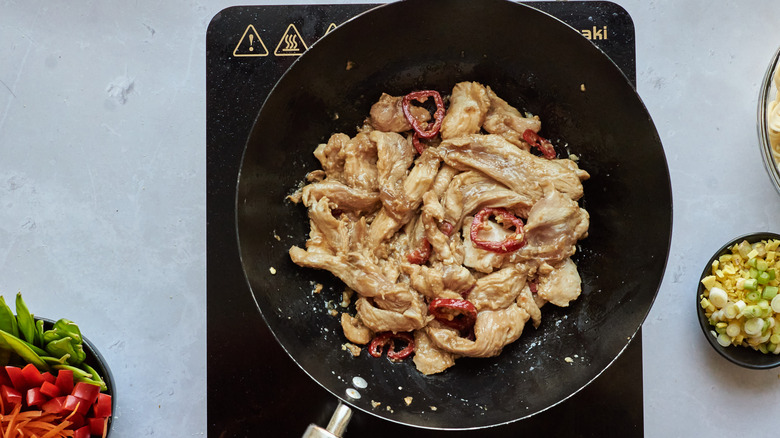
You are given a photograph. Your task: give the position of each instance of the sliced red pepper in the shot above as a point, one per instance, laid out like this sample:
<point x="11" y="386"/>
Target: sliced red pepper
<point x="35" y="397"/>
<point x="50" y="390"/>
<point x="532" y="286"/>
<point x="32" y="376"/>
<point x="420" y="255"/>
<point x="446" y="228"/>
<point x="64" y="381"/>
<point x="86" y="391"/>
<point x="539" y="142"/>
<point x="458" y="314"/>
<point x="438" y="115"/>
<point x="377" y="345"/>
<point x="102" y="407"/>
<point x="10" y="395"/>
<point x="506" y="218"/>
<point x="97" y="426"/>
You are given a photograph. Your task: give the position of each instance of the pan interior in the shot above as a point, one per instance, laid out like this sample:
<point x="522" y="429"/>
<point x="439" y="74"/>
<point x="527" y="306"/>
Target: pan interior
<point x="539" y="65"/>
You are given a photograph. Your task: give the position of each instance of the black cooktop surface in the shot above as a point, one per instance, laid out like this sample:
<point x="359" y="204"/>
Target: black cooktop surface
<point x="254" y="389"/>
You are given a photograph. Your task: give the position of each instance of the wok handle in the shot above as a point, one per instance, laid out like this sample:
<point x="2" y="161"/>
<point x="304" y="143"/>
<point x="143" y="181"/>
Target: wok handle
<point x="336" y="427"/>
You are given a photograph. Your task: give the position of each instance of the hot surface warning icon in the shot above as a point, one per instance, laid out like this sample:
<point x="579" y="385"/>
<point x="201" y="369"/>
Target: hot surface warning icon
<point x="291" y="43"/>
<point x="250" y="44"/>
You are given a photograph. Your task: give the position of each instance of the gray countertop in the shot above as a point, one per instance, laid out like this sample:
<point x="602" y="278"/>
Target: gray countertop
<point x="103" y="176"/>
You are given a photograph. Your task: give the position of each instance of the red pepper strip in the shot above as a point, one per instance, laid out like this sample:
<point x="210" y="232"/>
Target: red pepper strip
<point x="458" y="314"/>
<point x="377" y="345"/>
<point x="446" y="228"/>
<point x="416" y="143"/>
<point x="438" y="116"/>
<point x="511" y="243"/>
<point x="533" y="287"/>
<point x="420" y="255"/>
<point x="544" y="145"/>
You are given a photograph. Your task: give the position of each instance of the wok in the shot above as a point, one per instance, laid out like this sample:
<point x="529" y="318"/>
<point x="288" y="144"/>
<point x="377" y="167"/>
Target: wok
<point x="538" y="64"/>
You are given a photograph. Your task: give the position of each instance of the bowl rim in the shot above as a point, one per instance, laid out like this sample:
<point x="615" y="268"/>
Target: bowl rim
<point x="744" y="357"/>
<point x="772" y="167"/>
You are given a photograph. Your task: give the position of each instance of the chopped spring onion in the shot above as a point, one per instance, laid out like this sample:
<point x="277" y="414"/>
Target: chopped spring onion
<point x="754" y="326"/>
<point x="735" y="329"/>
<point x="769" y="292"/>
<point x="718" y="297"/>
<point x="742" y="296"/>
<point x="752" y="311"/>
<point x="776" y="304"/>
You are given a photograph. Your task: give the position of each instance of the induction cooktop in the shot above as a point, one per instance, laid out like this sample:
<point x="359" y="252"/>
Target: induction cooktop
<point x="254" y="389"/>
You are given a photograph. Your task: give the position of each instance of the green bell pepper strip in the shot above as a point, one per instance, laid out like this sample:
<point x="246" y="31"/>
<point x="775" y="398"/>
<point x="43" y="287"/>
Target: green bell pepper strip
<point x="26" y="351"/>
<point x="7" y="319"/>
<point x="25" y="320"/>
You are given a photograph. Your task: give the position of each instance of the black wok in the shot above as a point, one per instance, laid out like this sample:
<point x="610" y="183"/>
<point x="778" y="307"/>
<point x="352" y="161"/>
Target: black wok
<point x="538" y="64"/>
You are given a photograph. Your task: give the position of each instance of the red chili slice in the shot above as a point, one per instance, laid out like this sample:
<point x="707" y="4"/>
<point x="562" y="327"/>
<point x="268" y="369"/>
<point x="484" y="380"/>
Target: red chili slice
<point x="503" y="216"/>
<point x="458" y="314"/>
<point x="539" y="142"/>
<point x="420" y="255"/>
<point x="418" y="146"/>
<point x="446" y="228"/>
<point x="377" y="345"/>
<point x="438" y="115"/>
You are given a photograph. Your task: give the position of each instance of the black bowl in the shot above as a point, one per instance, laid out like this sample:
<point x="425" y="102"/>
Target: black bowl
<point x="98" y="362"/>
<point x="537" y="63"/>
<point x="742" y="356"/>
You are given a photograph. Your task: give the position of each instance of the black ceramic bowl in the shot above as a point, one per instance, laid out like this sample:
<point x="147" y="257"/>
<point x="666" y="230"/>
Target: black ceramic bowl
<point x="98" y="362"/>
<point x="742" y="356"/>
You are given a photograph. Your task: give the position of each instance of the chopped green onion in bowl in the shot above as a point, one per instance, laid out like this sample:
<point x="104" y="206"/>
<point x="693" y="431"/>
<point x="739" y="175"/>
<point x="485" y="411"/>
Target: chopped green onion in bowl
<point x="738" y="302"/>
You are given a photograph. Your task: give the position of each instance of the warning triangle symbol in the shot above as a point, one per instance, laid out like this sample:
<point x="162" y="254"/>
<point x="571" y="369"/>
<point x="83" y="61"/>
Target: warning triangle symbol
<point x="250" y="44"/>
<point x="291" y="43"/>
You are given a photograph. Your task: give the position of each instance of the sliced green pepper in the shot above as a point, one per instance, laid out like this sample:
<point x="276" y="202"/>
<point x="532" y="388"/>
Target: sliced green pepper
<point x="24" y="350"/>
<point x="25" y="320"/>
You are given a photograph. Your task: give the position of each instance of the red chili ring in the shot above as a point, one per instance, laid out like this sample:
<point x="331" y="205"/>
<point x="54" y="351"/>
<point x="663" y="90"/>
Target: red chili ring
<point x="377" y="345"/>
<point x="510" y="244"/>
<point x="539" y="142"/>
<point x="442" y="309"/>
<point x="420" y="255"/>
<point x="438" y="115"/>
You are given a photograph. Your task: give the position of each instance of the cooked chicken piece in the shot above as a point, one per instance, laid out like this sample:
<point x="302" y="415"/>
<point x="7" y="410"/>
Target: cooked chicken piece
<point x="493" y="330"/>
<point x="472" y="191"/>
<point x="530" y="304"/>
<point x="360" y="275"/>
<point x="331" y="157"/>
<point x="344" y="197"/>
<point x="498" y="289"/>
<point x="561" y="286"/>
<point x="469" y="105"/>
<point x="517" y="169"/>
<point x="446" y="281"/>
<point x="432" y="218"/>
<point x="355" y="330"/>
<point x="505" y="120"/>
<point x="573" y="166"/>
<point x="360" y="158"/>
<point x="381" y="320"/>
<point x="443" y="179"/>
<point x="479" y="259"/>
<point x="387" y="114"/>
<point x="427" y="358"/>
<point x="554" y="226"/>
